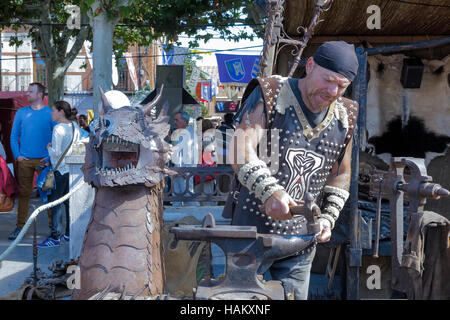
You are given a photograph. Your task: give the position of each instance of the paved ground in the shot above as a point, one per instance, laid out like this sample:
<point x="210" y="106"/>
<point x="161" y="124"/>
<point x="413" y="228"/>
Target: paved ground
<point x="19" y="264"/>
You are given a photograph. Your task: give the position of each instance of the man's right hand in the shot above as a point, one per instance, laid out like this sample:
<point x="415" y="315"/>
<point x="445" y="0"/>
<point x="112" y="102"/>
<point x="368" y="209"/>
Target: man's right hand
<point x="277" y="206"/>
<point x="20" y="158"/>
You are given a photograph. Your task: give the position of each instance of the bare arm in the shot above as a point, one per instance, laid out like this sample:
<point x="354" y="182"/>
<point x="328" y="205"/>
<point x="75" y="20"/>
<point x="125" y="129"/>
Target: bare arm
<point x="340" y="175"/>
<point x="252" y="133"/>
<point x="340" y="178"/>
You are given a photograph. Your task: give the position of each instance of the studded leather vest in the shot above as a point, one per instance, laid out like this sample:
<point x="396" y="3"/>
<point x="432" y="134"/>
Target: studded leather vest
<point x="301" y="158"/>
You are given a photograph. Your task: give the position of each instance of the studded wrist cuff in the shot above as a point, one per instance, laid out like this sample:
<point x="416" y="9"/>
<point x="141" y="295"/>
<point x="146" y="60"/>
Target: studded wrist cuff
<point x="341" y="193"/>
<point x="327" y="217"/>
<point x="271" y="191"/>
<point x="259" y="190"/>
<point x="254" y="176"/>
<point x="248" y="168"/>
<point x="335" y="199"/>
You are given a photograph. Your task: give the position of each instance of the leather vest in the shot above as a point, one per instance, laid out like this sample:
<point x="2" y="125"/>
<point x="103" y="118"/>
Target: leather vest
<point x="301" y="158"/>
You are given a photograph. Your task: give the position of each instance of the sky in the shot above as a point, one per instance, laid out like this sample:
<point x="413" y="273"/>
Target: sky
<point x="219" y="44"/>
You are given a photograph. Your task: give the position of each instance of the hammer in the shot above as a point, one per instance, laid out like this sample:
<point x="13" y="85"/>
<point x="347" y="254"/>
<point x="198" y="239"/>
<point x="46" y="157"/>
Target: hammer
<point x="307" y="208"/>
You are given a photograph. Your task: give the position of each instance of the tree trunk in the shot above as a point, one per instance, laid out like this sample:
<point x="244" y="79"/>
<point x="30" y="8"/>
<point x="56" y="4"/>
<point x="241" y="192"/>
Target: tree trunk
<point x="103" y="31"/>
<point x="52" y="47"/>
<point x="55" y="82"/>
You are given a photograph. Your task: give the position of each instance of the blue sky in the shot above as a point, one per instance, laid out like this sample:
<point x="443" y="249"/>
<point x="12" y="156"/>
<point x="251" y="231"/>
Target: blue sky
<point x="219" y="44"/>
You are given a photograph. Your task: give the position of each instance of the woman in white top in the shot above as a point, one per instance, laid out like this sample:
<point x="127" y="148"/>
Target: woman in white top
<point x="61" y="140"/>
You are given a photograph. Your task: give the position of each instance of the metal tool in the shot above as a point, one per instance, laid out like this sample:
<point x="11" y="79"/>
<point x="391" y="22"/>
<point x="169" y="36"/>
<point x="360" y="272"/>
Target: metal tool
<point x="394" y="185"/>
<point x="245" y="252"/>
<point x="307" y="208"/>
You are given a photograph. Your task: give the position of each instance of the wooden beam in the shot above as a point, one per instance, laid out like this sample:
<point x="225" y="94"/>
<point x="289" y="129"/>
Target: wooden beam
<point x="375" y="39"/>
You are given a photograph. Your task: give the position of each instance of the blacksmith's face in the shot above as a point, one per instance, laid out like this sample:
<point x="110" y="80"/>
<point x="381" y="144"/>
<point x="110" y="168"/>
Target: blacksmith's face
<point x="323" y="86"/>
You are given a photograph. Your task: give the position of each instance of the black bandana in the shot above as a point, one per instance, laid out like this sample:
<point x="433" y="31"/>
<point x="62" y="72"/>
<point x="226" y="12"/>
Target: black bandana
<point x="338" y="56"/>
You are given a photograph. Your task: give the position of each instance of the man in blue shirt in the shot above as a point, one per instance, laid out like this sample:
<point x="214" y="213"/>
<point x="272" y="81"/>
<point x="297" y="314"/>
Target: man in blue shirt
<point x="31" y="132"/>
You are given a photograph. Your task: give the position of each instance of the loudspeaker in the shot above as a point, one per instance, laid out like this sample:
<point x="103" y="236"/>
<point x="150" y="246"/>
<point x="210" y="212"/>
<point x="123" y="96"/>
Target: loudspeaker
<point x="412" y="72"/>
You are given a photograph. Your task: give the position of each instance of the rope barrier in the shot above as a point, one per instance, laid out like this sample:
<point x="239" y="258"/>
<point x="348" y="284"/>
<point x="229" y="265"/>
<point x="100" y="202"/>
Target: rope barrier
<point x="34" y="215"/>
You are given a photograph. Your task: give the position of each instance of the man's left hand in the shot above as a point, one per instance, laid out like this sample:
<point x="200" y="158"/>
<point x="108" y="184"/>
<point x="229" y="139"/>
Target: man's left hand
<point x="325" y="230"/>
<point x="45" y="161"/>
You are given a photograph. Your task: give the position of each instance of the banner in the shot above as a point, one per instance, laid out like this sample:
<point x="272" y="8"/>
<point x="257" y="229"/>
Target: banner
<point x="195" y="77"/>
<point x="214" y="88"/>
<point x="203" y="91"/>
<point x="131" y="70"/>
<point x="239" y="69"/>
<point x="175" y="56"/>
<point x="226" y="106"/>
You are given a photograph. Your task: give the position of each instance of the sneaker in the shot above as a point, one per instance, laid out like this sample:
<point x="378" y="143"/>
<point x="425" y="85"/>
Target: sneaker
<point x="13" y="235"/>
<point x="64" y="238"/>
<point x="49" y="242"/>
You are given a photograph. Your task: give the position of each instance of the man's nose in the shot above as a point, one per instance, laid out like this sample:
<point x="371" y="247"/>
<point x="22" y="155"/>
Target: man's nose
<point x="333" y="89"/>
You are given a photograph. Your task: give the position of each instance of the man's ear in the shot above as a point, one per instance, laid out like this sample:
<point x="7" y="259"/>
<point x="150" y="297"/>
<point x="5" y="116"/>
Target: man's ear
<point x="309" y="65"/>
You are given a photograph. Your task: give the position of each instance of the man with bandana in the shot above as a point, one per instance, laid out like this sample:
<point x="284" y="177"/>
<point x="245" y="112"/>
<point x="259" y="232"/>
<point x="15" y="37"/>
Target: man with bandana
<point x="306" y="147"/>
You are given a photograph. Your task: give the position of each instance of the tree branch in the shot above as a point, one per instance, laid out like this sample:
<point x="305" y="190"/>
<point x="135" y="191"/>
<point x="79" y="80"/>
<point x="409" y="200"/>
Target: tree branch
<point x="72" y="54"/>
<point x="45" y="32"/>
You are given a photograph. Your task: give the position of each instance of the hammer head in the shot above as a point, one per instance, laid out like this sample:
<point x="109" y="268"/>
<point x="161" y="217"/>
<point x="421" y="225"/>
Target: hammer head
<point x="307" y="208"/>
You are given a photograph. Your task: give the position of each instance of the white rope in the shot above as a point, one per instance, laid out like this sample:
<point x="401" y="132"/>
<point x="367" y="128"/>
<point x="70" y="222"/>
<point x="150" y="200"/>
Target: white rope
<point x="34" y="215"/>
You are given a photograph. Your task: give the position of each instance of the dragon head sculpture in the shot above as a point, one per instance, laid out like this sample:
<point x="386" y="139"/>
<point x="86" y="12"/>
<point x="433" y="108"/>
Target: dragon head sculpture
<point x="126" y="146"/>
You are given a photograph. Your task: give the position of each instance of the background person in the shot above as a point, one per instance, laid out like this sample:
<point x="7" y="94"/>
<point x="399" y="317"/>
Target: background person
<point x="185" y="153"/>
<point x="31" y="132"/>
<point x="208" y="160"/>
<point x="61" y="140"/>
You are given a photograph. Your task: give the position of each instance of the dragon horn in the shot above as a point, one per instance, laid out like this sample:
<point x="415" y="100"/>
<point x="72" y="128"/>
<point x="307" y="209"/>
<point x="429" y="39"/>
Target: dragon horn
<point x="105" y="102"/>
<point x="164" y="110"/>
<point x="149" y="106"/>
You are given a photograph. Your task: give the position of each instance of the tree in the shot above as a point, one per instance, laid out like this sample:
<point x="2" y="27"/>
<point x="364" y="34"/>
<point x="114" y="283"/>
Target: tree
<point x="49" y="35"/>
<point x="116" y="24"/>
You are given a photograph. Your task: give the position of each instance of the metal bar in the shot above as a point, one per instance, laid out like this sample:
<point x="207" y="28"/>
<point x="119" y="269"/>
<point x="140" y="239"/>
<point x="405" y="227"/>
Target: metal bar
<point x="354" y="250"/>
<point x="377" y="228"/>
<point x="362" y="97"/>
<point x="396" y="206"/>
<point x="35" y="253"/>
<point x="335" y="262"/>
<point x="408" y="46"/>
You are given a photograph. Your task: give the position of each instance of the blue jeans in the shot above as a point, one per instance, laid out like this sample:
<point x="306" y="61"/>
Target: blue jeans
<point x="293" y="272"/>
<point x="62" y="188"/>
